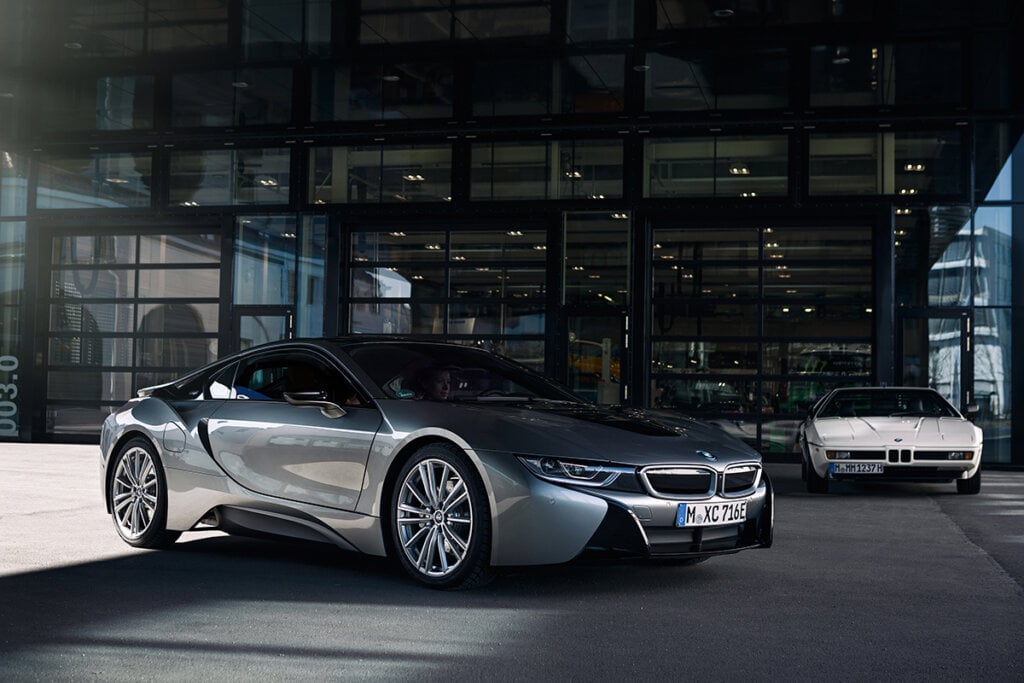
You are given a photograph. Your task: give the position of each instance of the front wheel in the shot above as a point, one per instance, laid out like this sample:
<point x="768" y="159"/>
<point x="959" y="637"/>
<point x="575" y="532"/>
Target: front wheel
<point x="440" y="519"/>
<point x="971" y="485"/>
<point x="815" y="484"/>
<point x="138" y="496"/>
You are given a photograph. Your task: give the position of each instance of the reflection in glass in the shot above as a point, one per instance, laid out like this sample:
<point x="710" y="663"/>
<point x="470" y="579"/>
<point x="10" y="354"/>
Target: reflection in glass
<point x="487" y="245"/>
<point x="68" y="315"/>
<point x="310" y="277"/>
<point x="818" y="319"/>
<point x="716" y="167"/>
<point x="377" y="174"/>
<point x="902" y="164"/>
<point x="510" y="170"/>
<point x="104" y="103"/>
<point x="398" y="246"/>
<point x="702" y="318"/>
<point x="253" y="96"/>
<point x="193" y="283"/>
<point x="684" y="357"/>
<point x="877" y="74"/>
<point x="589" y="169"/>
<point x="171" y="335"/>
<point x="97" y="181"/>
<point x="596" y="258"/>
<point x="481" y="23"/>
<point x="272" y="29"/>
<point x="993" y="253"/>
<point x="383" y="91"/>
<point x="244" y="176"/>
<point x="727" y="79"/>
<point x="197" y="248"/>
<point x="13" y="184"/>
<point x="996" y="147"/>
<point x="600" y="20"/>
<point x="512" y="87"/>
<point x="94" y="249"/>
<point x="677" y="14"/>
<point x="993" y="363"/>
<point x="265" y="260"/>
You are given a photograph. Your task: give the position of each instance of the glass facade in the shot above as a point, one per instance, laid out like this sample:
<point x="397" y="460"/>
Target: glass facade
<point x="718" y="210"/>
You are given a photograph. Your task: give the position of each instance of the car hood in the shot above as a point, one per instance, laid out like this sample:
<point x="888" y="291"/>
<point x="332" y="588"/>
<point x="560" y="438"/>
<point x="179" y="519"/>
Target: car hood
<point x="888" y="431"/>
<point x="625" y="436"/>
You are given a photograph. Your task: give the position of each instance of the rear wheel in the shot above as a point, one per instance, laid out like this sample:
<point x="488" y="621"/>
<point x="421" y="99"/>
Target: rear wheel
<point x="440" y="519"/>
<point x="138" y="496"/>
<point x="971" y="485"/>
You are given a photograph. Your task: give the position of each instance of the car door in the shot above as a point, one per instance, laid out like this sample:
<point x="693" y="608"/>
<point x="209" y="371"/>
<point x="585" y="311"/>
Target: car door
<point x="296" y="452"/>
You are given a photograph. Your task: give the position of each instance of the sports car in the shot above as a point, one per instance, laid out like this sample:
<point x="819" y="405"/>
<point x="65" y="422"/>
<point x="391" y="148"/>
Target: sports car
<point x="450" y="458"/>
<point x="904" y="433"/>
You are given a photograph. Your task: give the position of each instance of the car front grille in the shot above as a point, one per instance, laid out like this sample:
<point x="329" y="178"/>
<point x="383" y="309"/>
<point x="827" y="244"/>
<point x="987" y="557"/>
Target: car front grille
<point x="683" y="481"/>
<point x="740" y="479"/>
<point x="675" y="482"/>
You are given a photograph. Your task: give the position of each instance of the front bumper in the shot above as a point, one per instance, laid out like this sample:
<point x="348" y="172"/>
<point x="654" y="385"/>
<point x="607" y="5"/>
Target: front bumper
<point x="642" y="526"/>
<point x="899" y="464"/>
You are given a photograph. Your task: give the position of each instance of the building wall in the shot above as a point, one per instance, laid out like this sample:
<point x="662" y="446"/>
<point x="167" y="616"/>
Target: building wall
<point x="720" y="209"/>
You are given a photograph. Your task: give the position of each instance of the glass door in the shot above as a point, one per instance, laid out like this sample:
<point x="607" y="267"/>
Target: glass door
<point x="936" y="353"/>
<point x="255" y="325"/>
<point x="596" y="345"/>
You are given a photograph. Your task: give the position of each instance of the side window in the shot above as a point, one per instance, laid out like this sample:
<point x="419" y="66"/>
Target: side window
<point x="262" y="381"/>
<point x="270" y="378"/>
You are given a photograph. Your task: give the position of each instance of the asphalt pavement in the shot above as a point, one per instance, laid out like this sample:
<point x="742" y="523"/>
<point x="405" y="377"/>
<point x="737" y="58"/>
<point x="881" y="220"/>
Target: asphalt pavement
<point x="872" y="582"/>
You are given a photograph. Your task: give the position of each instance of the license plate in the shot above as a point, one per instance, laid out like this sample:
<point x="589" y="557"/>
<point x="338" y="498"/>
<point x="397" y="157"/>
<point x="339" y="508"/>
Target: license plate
<point x="856" y="468"/>
<point x="711" y="514"/>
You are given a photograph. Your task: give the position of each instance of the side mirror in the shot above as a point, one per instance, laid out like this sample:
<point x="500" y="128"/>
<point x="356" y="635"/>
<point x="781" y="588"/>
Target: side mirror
<point x="971" y="410"/>
<point x="315" y="399"/>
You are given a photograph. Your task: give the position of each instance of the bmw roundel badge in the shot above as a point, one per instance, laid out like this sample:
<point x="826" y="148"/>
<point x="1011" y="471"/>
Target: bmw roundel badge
<point x="707" y="456"/>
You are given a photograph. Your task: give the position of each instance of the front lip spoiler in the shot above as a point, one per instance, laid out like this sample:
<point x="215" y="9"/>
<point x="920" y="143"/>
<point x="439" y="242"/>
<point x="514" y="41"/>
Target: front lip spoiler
<point x="621" y="533"/>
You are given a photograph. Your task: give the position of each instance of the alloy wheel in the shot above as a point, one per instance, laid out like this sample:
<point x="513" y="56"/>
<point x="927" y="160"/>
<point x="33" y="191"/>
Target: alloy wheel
<point x="135" y="493"/>
<point x="434" y="517"/>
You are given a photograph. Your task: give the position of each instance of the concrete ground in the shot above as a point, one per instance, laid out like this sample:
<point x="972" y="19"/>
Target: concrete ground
<point x="893" y="582"/>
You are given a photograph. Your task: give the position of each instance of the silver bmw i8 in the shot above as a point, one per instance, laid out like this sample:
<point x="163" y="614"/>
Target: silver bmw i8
<point x="447" y="457"/>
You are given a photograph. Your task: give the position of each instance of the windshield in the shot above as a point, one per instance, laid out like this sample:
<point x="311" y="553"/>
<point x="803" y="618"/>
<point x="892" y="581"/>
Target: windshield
<point x="441" y="372"/>
<point x="887" y="403"/>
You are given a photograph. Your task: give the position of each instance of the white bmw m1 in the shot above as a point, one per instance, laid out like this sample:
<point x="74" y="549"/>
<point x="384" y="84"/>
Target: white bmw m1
<point x="901" y="433"/>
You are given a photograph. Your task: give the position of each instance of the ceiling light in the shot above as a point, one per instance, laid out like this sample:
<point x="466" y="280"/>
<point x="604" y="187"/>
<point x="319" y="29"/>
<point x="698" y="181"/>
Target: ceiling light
<point x="575" y="174"/>
<point x="413" y="177"/>
<point x="739" y="169"/>
<point x="540" y="247"/>
<point x="902" y="212"/>
<point x="724" y="13"/>
<point x="748" y="194"/>
<point x="514" y="233"/>
<point x="397" y="233"/>
<point x="239" y="84"/>
<point x="432" y="247"/>
<point x="115" y="181"/>
<point x="908" y="190"/>
<point x="620" y="216"/>
<point x="913" y="168"/>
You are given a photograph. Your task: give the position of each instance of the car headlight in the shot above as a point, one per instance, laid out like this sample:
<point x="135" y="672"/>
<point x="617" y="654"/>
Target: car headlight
<point x="577" y="472"/>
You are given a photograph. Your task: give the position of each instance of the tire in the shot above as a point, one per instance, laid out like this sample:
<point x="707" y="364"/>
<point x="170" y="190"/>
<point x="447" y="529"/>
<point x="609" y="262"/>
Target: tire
<point x="138" y="496"/>
<point x="970" y="486"/>
<point x="440" y="520"/>
<point x="815" y="484"/>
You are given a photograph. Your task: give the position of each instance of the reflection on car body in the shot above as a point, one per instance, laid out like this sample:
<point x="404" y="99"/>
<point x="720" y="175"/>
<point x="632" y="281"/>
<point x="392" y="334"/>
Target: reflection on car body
<point x="507" y="469"/>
